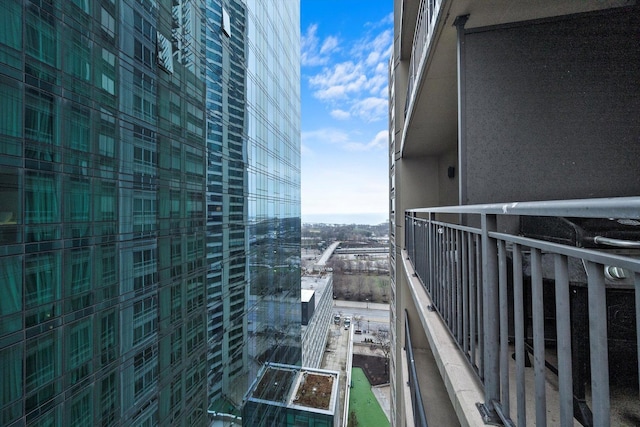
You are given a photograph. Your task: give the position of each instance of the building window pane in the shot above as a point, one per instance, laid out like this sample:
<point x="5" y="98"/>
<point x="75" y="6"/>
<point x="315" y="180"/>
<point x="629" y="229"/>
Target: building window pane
<point x="145" y="366"/>
<point x="11" y="107"/>
<point x="108" y="22"/>
<point x="42" y="279"/>
<point x="78" y="279"/>
<point x="10" y="206"/>
<point x="77" y="196"/>
<point x="77" y="57"/>
<point x="81" y="413"/>
<point x="11" y="301"/>
<point x="11" y="25"/>
<point x="40" y="36"/>
<point x="144" y="213"/>
<point x="11" y="374"/>
<point x="145" y="319"/>
<point x="41" y="363"/>
<point x="107" y="337"/>
<point x="41" y="198"/>
<point x="106" y="268"/>
<point x="78" y="129"/>
<point x="79" y="350"/>
<point x="39" y="121"/>
<point x="108" y="399"/>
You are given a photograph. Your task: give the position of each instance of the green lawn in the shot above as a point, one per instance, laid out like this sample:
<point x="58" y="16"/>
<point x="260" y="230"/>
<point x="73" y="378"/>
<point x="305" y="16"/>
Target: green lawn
<point x="364" y="403"/>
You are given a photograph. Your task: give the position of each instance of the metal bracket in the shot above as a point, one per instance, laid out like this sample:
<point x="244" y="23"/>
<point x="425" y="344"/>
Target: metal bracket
<point x="489" y="417"/>
<point x="431" y="308"/>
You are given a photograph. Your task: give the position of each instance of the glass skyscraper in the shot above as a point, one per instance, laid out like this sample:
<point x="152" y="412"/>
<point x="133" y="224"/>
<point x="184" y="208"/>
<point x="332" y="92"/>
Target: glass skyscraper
<point x="149" y="155"/>
<point x="273" y="130"/>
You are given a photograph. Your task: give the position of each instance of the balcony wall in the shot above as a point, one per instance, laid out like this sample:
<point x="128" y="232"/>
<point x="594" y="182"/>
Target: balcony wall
<point x="554" y="103"/>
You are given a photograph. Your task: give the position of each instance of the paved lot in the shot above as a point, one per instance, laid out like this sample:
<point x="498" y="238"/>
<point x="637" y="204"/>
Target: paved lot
<point x="335" y="359"/>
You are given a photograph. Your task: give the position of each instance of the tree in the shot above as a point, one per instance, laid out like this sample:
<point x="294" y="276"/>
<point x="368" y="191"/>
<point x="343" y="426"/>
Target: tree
<point x="384" y="343"/>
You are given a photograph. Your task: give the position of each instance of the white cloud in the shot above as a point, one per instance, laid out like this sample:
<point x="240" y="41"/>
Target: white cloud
<point x="373" y="59"/>
<point x="310" y="54"/>
<point x="377" y="143"/>
<point x="358" y="84"/>
<point x="345" y="140"/>
<point x="337" y="82"/>
<point x="370" y="109"/>
<point x="340" y="114"/>
<point x="331" y="136"/>
<point x="330" y="43"/>
<point x="387" y="20"/>
<point x="344" y="165"/>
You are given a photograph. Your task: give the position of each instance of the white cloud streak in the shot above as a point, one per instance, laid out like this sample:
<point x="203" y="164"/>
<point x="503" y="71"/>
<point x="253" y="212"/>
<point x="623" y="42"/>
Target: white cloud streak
<point x="312" y="53"/>
<point x="340" y="114"/>
<point x="345" y="141"/>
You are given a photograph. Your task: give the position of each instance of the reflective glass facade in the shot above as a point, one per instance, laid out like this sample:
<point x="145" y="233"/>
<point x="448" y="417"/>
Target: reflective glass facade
<point x="273" y="156"/>
<point x="226" y="199"/>
<point x="103" y="220"/>
<point x="149" y="171"/>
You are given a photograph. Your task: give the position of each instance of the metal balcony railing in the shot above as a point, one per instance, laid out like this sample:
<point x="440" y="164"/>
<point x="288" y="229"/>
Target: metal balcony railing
<point x="419" y="414"/>
<point x="536" y="311"/>
<point x="425" y="23"/>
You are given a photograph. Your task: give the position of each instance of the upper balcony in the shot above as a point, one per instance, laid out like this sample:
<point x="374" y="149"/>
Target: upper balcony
<point x="542" y="301"/>
<point x="428" y="41"/>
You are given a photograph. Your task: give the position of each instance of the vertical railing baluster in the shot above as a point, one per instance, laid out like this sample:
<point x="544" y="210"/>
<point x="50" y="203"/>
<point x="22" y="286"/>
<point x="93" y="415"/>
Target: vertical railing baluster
<point x="446" y="279"/>
<point x="563" y="331"/>
<point x="479" y="306"/>
<point x="504" y="327"/>
<point x="490" y="311"/>
<point x="518" y="323"/>
<point x="465" y="293"/>
<point x="637" y="292"/>
<point x="433" y="265"/>
<point x="598" y="345"/>
<point x="473" y="307"/>
<point x="419" y="246"/>
<point x="537" y="304"/>
<point x="459" y="309"/>
<point x="450" y="279"/>
<point x="439" y="272"/>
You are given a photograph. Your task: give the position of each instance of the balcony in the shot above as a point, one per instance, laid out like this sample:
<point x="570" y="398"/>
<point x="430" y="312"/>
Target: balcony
<point x="541" y="305"/>
<point x="423" y="36"/>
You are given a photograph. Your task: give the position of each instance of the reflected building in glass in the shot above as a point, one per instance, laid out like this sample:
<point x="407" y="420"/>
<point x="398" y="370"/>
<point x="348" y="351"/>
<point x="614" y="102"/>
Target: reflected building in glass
<point x="149" y="171"/>
<point x="273" y="111"/>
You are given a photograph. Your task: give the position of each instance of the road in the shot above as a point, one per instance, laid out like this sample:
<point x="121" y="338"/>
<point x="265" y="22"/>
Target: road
<point x="373" y="316"/>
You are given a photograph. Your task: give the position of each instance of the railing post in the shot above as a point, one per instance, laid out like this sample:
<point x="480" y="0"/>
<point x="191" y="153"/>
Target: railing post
<point x="430" y="254"/>
<point x="491" y="319"/>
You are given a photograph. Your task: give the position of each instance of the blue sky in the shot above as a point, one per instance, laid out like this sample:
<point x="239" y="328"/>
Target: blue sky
<point x="345" y="49"/>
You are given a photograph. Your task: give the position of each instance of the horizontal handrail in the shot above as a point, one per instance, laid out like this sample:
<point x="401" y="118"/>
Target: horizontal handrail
<point x="618" y="243"/>
<point x="618" y="207"/>
<point x="419" y="413"/>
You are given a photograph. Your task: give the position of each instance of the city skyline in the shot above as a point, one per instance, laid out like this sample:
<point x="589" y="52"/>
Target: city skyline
<point x="344" y="64"/>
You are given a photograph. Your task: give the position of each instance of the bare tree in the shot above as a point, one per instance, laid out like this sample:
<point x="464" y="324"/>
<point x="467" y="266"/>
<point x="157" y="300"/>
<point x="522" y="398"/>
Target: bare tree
<point x="384" y="343"/>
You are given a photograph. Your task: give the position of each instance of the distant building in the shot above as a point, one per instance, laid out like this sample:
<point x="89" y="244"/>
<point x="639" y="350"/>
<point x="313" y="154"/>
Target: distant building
<point x="317" y="303"/>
